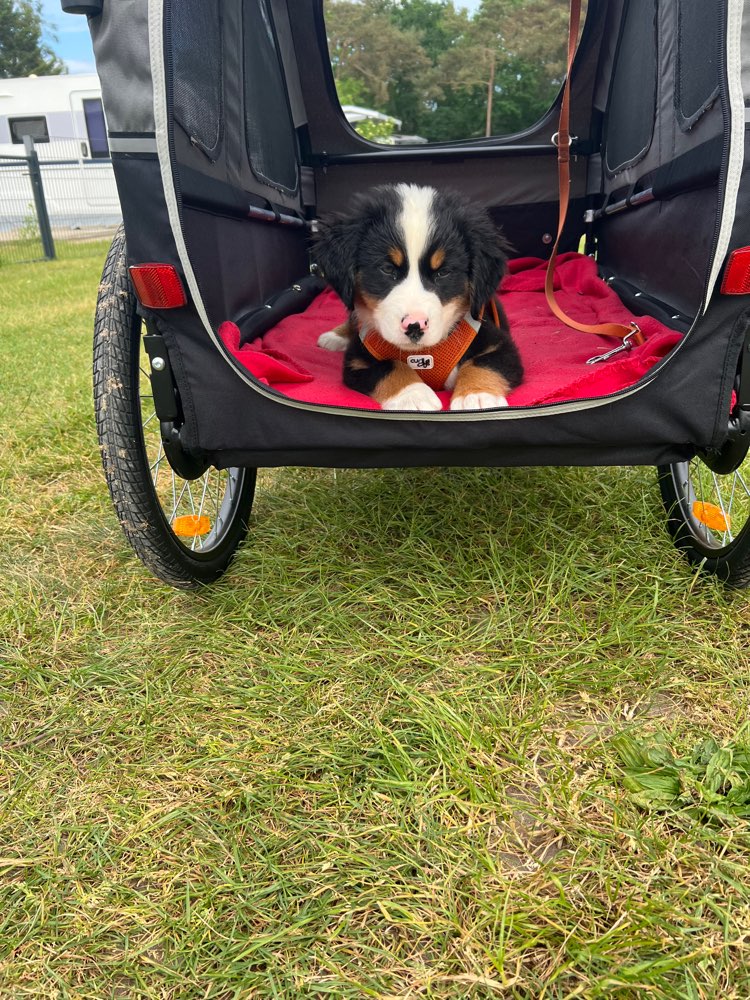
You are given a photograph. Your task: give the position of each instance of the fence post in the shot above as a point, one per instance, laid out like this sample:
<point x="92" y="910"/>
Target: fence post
<point x="35" y="176"/>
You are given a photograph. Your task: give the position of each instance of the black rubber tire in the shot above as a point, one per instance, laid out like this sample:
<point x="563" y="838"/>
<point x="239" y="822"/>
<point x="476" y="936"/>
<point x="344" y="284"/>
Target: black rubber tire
<point x="117" y="400"/>
<point x="730" y="561"/>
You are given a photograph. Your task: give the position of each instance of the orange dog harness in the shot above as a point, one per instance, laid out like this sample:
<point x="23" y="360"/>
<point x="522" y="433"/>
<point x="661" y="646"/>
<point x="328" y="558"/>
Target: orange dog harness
<point x="432" y="364"/>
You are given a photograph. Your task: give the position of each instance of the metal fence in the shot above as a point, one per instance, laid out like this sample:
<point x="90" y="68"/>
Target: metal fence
<point x="51" y="197"/>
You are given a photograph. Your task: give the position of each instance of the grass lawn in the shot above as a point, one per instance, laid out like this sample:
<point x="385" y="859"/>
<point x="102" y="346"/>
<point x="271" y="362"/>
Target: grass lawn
<point x="375" y="760"/>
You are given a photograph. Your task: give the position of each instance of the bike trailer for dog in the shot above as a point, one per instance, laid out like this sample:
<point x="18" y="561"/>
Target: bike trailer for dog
<point x="228" y="141"/>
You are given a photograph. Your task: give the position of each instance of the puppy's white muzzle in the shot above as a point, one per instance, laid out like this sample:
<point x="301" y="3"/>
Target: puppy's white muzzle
<point x="411" y="316"/>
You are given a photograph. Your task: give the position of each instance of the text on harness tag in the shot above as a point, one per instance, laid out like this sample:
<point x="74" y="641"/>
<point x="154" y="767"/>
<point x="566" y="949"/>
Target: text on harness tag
<point x="420" y="362"/>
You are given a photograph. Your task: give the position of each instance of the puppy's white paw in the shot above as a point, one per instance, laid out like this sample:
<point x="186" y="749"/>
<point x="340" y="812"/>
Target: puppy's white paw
<point x="416" y="396"/>
<point x="478" y="401"/>
<point x="332" y="341"/>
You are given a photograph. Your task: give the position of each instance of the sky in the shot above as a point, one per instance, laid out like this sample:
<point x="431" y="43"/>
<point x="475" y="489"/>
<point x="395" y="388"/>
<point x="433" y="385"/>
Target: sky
<point x="73" y="42"/>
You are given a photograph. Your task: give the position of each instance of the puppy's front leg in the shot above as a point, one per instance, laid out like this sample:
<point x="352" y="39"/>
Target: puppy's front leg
<point x="392" y="383"/>
<point x="338" y="338"/>
<point x="403" y="389"/>
<point x="479" y="388"/>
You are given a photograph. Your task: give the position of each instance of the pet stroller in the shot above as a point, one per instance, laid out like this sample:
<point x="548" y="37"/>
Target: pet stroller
<point x="228" y="141"/>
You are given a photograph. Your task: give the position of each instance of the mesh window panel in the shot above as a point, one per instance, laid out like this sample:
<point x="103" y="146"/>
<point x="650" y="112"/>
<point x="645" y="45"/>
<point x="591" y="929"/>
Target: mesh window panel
<point x="697" y="83"/>
<point x="632" y="95"/>
<point x="269" y="132"/>
<point x="197" y="62"/>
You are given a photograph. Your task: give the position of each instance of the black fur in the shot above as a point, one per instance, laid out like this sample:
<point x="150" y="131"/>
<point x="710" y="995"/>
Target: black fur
<point x="345" y="244"/>
<point x="489" y="256"/>
<point x="494" y="348"/>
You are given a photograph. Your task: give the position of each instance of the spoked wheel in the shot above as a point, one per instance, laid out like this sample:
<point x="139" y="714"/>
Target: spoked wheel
<point x="709" y="517"/>
<point x="185" y="532"/>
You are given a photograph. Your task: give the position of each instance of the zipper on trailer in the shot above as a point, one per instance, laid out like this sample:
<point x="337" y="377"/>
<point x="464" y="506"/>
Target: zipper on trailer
<point x="498" y="413"/>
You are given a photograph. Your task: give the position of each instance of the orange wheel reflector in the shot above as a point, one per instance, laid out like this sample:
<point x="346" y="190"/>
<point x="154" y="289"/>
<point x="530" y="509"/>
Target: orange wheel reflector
<point x="712" y="516"/>
<point x="191" y="525"/>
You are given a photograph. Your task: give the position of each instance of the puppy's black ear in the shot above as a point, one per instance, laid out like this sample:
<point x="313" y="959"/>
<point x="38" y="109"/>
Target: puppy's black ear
<point x="335" y="249"/>
<point x="489" y="257"/>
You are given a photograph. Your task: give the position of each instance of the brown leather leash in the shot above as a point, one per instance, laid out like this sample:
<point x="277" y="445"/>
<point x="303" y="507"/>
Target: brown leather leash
<point x="630" y="334"/>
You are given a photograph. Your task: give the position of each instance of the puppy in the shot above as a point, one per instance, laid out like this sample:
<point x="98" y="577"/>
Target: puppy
<point x="418" y="269"/>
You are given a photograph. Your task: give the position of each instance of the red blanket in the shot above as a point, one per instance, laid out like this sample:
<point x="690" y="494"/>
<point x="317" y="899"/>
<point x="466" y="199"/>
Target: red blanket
<point x="288" y="357"/>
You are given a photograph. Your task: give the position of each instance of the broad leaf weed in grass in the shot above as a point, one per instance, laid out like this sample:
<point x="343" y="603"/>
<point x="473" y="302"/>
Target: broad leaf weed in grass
<point x="711" y="783"/>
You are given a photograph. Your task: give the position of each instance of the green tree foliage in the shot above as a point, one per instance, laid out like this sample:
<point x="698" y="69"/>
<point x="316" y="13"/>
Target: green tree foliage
<point x="366" y="45"/>
<point x="445" y="73"/>
<point x="22" y="51"/>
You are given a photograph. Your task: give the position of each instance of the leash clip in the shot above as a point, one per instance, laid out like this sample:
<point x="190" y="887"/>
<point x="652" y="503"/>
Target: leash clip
<point x="629" y="342"/>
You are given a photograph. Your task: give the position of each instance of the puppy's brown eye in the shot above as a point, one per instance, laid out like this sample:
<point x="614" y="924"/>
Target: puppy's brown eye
<point x="388" y="269"/>
<point x="443" y="272"/>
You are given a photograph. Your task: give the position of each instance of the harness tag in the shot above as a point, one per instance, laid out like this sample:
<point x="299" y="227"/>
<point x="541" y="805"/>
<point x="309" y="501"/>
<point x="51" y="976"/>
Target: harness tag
<point x="420" y="362"/>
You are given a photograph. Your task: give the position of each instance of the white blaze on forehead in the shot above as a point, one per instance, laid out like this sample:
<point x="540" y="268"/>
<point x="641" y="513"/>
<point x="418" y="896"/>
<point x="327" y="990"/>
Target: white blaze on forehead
<point x="415" y="221"/>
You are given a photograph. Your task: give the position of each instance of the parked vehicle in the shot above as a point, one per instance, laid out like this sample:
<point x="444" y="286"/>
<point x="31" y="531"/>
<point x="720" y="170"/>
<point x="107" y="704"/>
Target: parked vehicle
<point x="65" y="118"/>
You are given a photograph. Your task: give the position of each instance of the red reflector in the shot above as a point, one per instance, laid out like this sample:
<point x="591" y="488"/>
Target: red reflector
<point x="158" y="286"/>
<point x="736" y="279"/>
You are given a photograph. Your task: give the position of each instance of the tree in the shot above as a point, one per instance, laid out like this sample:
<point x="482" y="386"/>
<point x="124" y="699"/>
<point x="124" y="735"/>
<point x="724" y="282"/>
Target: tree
<point x="22" y="51"/>
<point x="365" y="45"/>
<point x="445" y="73"/>
<point x="437" y="23"/>
<point x="515" y="51"/>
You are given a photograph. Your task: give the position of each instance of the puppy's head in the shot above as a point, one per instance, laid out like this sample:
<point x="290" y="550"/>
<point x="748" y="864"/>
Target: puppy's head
<point x="410" y="261"/>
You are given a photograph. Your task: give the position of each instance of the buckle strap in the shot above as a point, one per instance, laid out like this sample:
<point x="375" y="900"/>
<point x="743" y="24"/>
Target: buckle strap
<point x="630" y="340"/>
<point x="630" y="334"/>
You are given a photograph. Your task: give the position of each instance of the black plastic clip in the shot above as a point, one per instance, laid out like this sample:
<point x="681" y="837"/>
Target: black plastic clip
<point x="732" y="453"/>
<point x="167" y="407"/>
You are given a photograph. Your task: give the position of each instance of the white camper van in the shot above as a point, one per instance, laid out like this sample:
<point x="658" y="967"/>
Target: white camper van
<point x="64" y="117"/>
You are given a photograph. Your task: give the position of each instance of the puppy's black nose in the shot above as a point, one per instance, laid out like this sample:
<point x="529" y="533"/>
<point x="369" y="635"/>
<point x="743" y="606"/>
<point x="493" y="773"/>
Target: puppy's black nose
<point x="414" y="332"/>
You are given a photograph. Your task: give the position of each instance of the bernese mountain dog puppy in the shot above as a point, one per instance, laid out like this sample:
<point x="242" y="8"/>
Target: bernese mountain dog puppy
<point x="417" y="269"/>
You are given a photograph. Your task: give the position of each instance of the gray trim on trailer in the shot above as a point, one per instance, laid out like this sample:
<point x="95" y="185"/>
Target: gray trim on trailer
<point x="122" y="63"/>
<point x="122" y="145"/>
<point x="746" y="55"/>
<point x="736" y="102"/>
